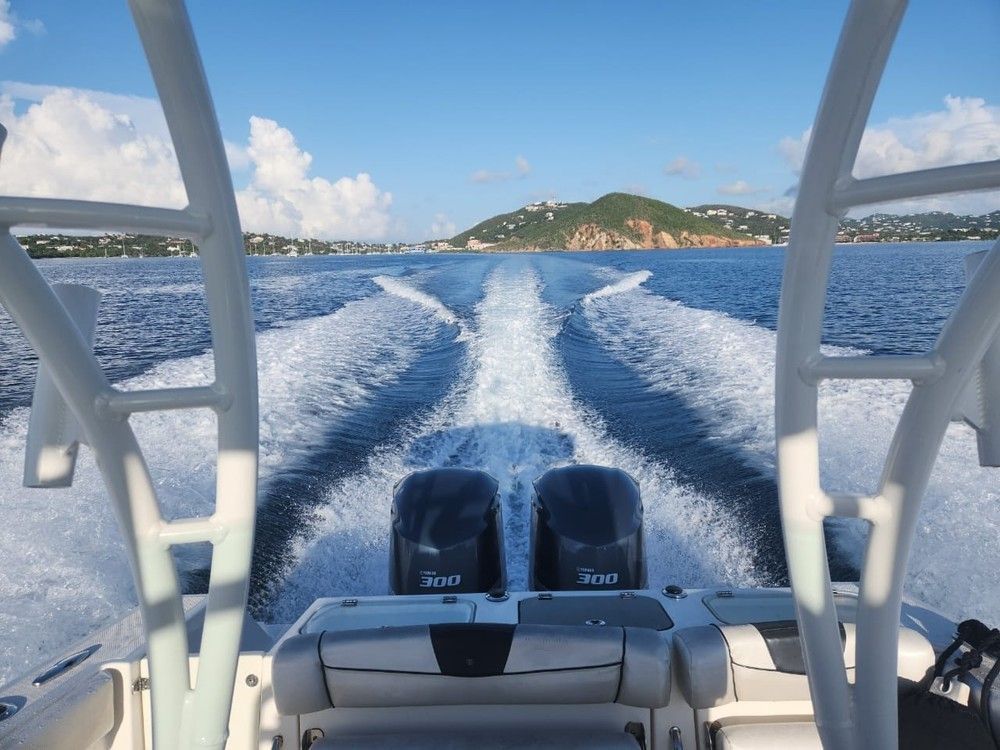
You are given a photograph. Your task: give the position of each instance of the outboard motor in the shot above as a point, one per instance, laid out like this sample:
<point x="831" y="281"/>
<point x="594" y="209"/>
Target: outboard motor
<point x="446" y="533"/>
<point x="586" y="531"/>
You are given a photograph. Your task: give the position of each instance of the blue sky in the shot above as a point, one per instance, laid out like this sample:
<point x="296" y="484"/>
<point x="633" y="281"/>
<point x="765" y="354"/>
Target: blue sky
<point x="460" y="110"/>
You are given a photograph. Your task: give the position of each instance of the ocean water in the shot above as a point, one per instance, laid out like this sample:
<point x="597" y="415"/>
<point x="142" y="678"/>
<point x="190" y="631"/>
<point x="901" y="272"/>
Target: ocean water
<point x="658" y="362"/>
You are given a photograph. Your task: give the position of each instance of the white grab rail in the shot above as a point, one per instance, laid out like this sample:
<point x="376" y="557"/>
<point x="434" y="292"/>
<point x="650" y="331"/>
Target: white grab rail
<point x="866" y="717"/>
<point x="184" y="715"/>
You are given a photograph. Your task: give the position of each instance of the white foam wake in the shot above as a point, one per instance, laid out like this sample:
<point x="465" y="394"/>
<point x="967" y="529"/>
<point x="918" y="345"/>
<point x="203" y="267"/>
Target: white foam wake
<point x="625" y="284"/>
<point x="512" y="414"/>
<point x="65" y="569"/>
<point x="724" y="368"/>
<point x="401" y="289"/>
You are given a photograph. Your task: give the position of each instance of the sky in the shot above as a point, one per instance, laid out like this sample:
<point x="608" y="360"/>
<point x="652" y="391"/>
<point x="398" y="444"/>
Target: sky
<point x="408" y="121"/>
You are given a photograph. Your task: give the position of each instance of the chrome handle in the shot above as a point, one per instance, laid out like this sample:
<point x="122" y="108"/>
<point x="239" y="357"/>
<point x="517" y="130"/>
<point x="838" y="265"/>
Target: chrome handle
<point x="64" y="665"/>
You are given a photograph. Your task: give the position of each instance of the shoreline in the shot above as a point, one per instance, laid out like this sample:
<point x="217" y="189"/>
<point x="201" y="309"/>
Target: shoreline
<point x="463" y="251"/>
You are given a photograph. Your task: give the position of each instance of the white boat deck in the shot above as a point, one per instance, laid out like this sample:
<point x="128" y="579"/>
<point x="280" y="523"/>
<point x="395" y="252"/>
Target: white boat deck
<point x="93" y="700"/>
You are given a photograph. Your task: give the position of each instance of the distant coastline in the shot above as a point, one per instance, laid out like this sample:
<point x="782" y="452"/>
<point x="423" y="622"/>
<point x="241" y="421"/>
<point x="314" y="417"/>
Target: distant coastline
<point x="421" y="249"/>
<point x="617" y="221"/>
<point x="128" y="246"/>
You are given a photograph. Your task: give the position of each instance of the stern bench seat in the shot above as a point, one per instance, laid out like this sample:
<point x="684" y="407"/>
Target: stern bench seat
<point x="472" y="663"/>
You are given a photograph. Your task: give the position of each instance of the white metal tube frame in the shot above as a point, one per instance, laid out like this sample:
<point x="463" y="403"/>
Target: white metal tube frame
<point x="865" y="717"/>
<point x="184" y="715"/>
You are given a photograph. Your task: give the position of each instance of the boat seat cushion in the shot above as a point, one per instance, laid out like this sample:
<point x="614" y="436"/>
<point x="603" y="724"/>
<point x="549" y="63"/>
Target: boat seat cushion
<point x="542" y="740"/>
<point x="927" y="721"/>
<point x="717" y="665"/>
<point x="470" y="664"/>
<point x="782" y="735"/>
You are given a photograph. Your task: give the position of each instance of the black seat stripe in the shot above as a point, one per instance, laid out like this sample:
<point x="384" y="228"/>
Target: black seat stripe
<point x="785" y="646"/>
<point x="481" y="651"/>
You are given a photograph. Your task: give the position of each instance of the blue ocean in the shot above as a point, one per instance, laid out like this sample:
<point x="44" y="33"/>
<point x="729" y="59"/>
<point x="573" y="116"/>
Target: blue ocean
<point x="658" y="362"/>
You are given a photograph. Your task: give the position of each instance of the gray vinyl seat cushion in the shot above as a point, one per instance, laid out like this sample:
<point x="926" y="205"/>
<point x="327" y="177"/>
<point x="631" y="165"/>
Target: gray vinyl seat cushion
<point x="547" y="740"/>
<point x="472" y="664"/>
<point x="718" y="665"/>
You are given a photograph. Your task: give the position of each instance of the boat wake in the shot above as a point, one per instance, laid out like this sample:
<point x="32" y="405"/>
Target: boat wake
<point x="724" y="368"/>
<point x="625" y="284"/>
<point x="512" y="413"/>
<point x="406" y="291"/>
<point x="509" y="410"/>
<point x="63" y="552"/>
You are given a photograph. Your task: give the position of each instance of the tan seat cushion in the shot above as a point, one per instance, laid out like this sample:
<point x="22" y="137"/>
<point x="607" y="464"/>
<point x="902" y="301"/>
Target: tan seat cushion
<point x="786" y="735"/>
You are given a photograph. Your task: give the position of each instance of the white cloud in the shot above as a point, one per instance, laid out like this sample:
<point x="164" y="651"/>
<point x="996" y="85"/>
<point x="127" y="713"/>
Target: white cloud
<point x="237" y="156"/>
<point x="74" y="143"/>
<point x="33" y="26"/>
<point x="485" y="176"/>
<point x="782" y="205"/>
<point x="7" y="31"/>
<point x="10" y="24"/>
<point x="145" y="114"/>
<point x="283" y="197"/>
<point x="740" y="187"/>
<point x="522" y="168"/>
<point x="442" y="227"/>
<point x="966" y="130"/>
<point x="68" y="145"/>
<point x="683" y="167"/>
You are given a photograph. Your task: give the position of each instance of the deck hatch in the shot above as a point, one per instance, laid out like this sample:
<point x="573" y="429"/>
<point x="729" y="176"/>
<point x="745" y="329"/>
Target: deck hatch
<point x="629" y="612"/>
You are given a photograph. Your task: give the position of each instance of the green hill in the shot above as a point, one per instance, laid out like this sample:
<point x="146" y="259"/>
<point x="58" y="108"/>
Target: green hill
<point x="614" y="221"/>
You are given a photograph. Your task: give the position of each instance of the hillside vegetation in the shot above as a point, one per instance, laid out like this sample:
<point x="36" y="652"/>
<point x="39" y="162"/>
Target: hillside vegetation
<point x="753" y="222"/>
<point x="614" y="221"/>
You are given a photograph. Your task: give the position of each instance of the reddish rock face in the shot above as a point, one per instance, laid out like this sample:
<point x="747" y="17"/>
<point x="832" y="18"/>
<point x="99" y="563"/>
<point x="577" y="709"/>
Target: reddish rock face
<point x="651" y="239"/>
<point x="595" y="237"/>
<point x="664" y="239"/>
<point x="644" y="229"/>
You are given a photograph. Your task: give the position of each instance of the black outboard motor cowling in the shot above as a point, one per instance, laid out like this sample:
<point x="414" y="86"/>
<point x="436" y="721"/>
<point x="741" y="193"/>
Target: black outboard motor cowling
<point x="446" y="533"/>
<point x="586" y="531"/>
